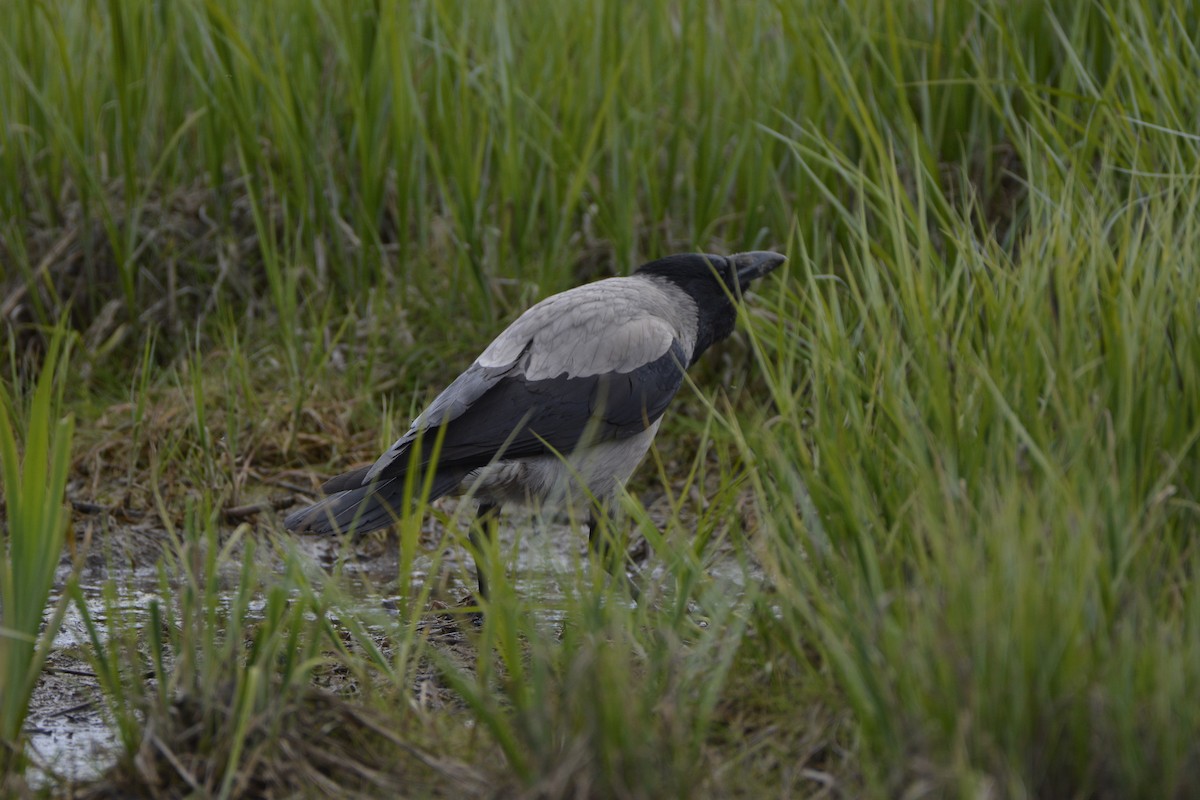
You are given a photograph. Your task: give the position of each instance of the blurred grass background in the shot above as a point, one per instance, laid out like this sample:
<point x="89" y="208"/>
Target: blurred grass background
<point x="959" y="436"/>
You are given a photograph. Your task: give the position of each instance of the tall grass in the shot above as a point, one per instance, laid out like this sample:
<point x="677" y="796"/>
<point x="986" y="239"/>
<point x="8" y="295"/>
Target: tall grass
<point x="35" y="460"/>
<point x="1001" y="443"/>
<point x="357" y="145"/>
<point x="951" y="458"/>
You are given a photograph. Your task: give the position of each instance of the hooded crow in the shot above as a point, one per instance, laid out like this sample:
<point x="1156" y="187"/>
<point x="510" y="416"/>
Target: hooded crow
<point x="561" y="408"/>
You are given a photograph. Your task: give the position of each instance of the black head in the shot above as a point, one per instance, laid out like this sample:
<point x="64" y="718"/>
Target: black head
<point x="713" y="282"/>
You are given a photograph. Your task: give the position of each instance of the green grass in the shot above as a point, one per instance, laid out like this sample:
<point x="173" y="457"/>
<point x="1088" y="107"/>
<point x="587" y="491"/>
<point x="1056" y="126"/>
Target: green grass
<point x="951" y="456"/>
<point x="34" y="478"/>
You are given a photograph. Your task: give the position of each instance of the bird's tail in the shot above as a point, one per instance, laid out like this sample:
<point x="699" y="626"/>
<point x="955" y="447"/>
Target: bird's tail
<point x="362" y="508"/>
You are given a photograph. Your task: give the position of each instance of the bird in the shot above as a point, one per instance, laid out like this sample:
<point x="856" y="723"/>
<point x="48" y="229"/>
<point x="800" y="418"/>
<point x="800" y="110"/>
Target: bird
<point x="560" y="408"/>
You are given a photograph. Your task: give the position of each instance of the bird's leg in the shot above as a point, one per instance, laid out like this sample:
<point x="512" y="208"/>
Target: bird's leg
<point x="602" y="540"/>
<point x="482" y="535"/>
<point x="598" y="543"/>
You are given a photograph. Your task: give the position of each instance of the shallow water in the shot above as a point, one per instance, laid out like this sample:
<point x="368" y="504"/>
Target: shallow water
<point x="70" y="736"/>
<point x="67" y="728"/>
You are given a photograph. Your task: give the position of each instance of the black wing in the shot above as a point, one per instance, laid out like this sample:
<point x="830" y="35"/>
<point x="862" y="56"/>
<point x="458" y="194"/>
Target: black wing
<point x="491" y="413"/>
<point x="519" y="418"/>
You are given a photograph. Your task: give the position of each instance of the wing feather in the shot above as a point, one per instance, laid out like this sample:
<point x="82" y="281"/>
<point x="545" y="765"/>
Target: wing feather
<point x="519" y="418"/>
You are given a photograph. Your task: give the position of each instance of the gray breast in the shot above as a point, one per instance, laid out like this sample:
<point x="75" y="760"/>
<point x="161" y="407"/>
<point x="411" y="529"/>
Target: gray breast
<point x="599" y="470"/>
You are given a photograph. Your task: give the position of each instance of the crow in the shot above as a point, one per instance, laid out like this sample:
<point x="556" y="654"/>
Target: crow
<point x="561" y="407"/>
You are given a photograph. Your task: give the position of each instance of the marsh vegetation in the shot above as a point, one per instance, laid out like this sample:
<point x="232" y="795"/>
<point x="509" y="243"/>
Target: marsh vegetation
<point x="925" y="527"/>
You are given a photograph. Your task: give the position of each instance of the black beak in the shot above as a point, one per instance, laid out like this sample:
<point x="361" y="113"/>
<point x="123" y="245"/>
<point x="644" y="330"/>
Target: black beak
<point x="754" y="265"/>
